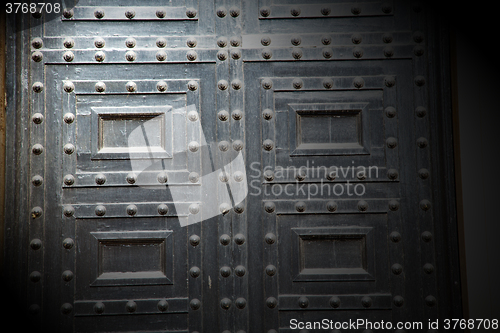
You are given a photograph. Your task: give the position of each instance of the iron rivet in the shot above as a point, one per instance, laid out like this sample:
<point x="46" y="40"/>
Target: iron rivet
<point x="68" y="243"/>
<point x="67" y="276"/>
<point x="37" y="87"/>
<point x="131" y="210"/>
<point x="35" y="276"/>
<point x="425" y="205"/>
<point x="268" y="175"/>
<point x="296" y="40"/>
<point x="99" y="307"/>
<point x="222" y="85"/>
<point x="191" y="55"/>
<point x="394" y="204"/>
<point x="356" y="10"/>
<point x="221" y="12"/>
<point x="418" y="50"/>
<point x="392" y="174"/>
<point x="239" y="239"/>
<point x="366" y="302"/>
<point x="265" y="41"/>
<point x="390" y="81"/>
<point x="99" y="43"/>
<point x="34" y="309"/>
<point x="423" y="173"/>
<point x="356" y="38"/>
<point x="99" y="13"/>
<point x="194" y="209"/>
<point x="37" y="118"/>
<point x="388" y="51"/>
<point x="37" y="56"/>
<point x="237" y="145"/>
<point x="191" y="12"/>
<point x="162" y="86"/>
<point x="398" y="301"/>
<point x="192" y="85"/>
<point x="362" y="206"/>
<point x="328" y="83"/>
<point x="386" y="8"/>
<point x="396" y="269"/>
<point x="430" y="301"/>
<point x="300" y="175"/>
<point x="419" y="81"/>
<point x="395" y="236"/>
<point x="195" y="304"/>
<point x="418" y="37"/>
<point x="234" y="11"/>
<point x="162" y="305"/>
<point x="69" y="118"/>
<point x="191" y="42"/>
<point x="391" y="142"/>
<point x="426" y="236"/>
<point x="130" y="42"/>
<point x="100" y="210"/>
<point x="331" y="206"/>
<point x="37" y="43"/>
<point x="68" y="86"/>
<point x="223" y="115"/>
<point x="194" y="240"/>
<point x="225" y="239"/>
<point x="235" y="54"/>
<point x="223" y="177"/>
<point x="327" y="53"/>
<point x="422" y="142"/>
<point x="69" y="149"/>
<point x="131" y="86"/>
<point x="271" y="302"/>
<point x="68" y="13"/>
<point x="295" y="11"/>
<point x="270" y="270"/>
<point x="222" y="42"/>
<point x="131" y="306"/>
<point x="193" y="146"/>
<point x="130" y="56"/>
<point x="300" y="206"/>
<point x="161" y="13"/>
<point x="236" y="84"/>
<point x="428" y="268"/>
<point x="36" y="244"/>
<point x="267" y="83"/>
<point x="269" y="207"/>
<point x="225" y="303"/>
<point x="194" y="272"/>
<point x="358" y="82"/>
<point x="390" y="112"/>
<point x="68" y="210"/>
<point x="303" y="302"/>
<point x="420" y="111"/>
<point x="240" y="304"/>
<point x="267" y="114"/>
<point x="223" y="146"/>
<point x="225" y="271"/>
<point x="130" y="13"/>
<point x="69" y="180"/>
<point x="193" y="177"/>
<point x="387" y="38"/>
<point x="239" y="208"/>
<point x="161" y="42"/>
<point x="37" y="149"/>
<point x="334" y="302"/>
<point x="100" y="87"/>
<point x="297" y="83"/>
<point x="265" y="11"/>
<point x="267" y="54"/>
<point x="100" y="56"/>
<point x="162" y="209"/>
<point x="222" y="55"/>
<point x="270" y="238"/>
<point x="162" y="177"/>
<point x="326" y="11"/>
<point x="332" y="174"/>
<point x="100" y="179"/>
<point x="268" y="145"/>
<point x="326" y="40"/>
<point x="192" y="115"/>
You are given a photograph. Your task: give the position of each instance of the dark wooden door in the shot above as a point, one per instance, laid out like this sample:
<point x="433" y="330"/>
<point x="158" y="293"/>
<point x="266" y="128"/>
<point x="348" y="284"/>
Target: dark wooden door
<point x="230" y="166"/>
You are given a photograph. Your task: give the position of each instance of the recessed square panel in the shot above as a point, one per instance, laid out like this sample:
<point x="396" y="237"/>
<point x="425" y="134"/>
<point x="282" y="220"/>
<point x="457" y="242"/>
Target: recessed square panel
<point x="330" y="129"/>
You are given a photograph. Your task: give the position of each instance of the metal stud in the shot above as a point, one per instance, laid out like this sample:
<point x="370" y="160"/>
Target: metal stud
<point x="268" y="145"/>
<point x="69" y="118"/>
<point x="388" y="51"/>
<point x="69" y="180"/>
<point x="269" y="207"/>
<point x="426" y="236"/>
<point x="238" y="145"/>
<point x="239" y="239"/>
<point x="265" y="41"/>
<point x="419" y="81"/>
<point x="271" y="270"/>
<point x="296" y="40"/>
<point x="37" y="56"/>
<point x="236" y="84"/>
<point x="362" y="206"/>
<point x="418" y="50"/>
<point x="225" y="271"/>
<point x="37" y="87"/>
<point x="394" y="204"/>
<point x="395" y="236"/>
<point x="428" y="268"/>
<point x="100" y="87"/>
<point x="334" y="302"/>
<point x="223" y="177"/>
<point x="195" y="304"/>
<point x="130" y="13"/>
<point x="130" y="42"/>
<point x="396" y="269"/>
<point x="391" y="142"/>
<point x="36" y="244"/>
<point x="99" y="307"/>
<point x="358" y="82"/>
<point x="271" y="302"/>
<point x="130" y="56"/>
<point x="67" y="276"/>
<point x="68" y="210"/>
<point x="100" y="210"/>
<point x="387" y="38"/>
<point x="192" y="115"/>
<point x="222" y="55"/>
<point x="36" y="212"/>
<point x="162" y="209"/>
<point x="131" y="306"/>
<point x="191" y="12"/>
<point x="225" y="303"/>
<point x="162" y="177"/>
<point x="194" y="240"/>
<point x="100" y="56"/>
<point x="99" y="43"/>
<point x="265" y="11"/>
<point x="221" y="12"/>
<point x="325" y="11"/>
<point x="162" y="305"/>
<point x="390" y="112"/>
<point x="131" y="210"/>
<point x="234" y="11"/>
<point x="68" y="243"/>
<point x="193" y="146"/>
<point x="235" y="54"/>
<point x="191" y="42"/>
<point x="386" y="8"/>
<point x="195" y="272"/>
<point x="392" y="174"/>
<point x="222" y="85"/>
<point x="430" y="301"/>
<point x="131" y="86"/>
<point x="237" y="114"/>
<point x="194" y="177"/>
<point x="191" y="55"/>
<point x="366" y="302"/>
<point x="297" y="83"/>
<point x="300" y="206"/>
<point x="225" y="239"/>
<point x="326" y="40"/>
<point x="295" y="11"/>
<point x="68" y="13"/>
<point x="327" y="53"/>
<point x="194" y="209"/>
<point x="239" y="208"/>
<point x="268" y="175"/>
<point x="37" y="149"/>
<point x="35" y="276"/>
<point x="390" y="81"/>
<point x="356" y="38"/>
<point x="99" y="13"/>
<point x="192" y="85"/>
<point x="69" y="149"/>
<point x="303" y="302"/>
<point x="267" y="114"/>
<point x="37" y="43"/>
<point x="223" y="115"/>
<point x="222" y="42"/>
<point x="161" y="13"/>
<point x="270" y="238"/>
<point x="356" y="10"/>
<point x="357" y="52"/>
<point x="423" y="173"/>
<point x="162" y="86"/>
<point x="331" y="206"/>
<point x="223" y="146"/>
<point x="267" y="54"/>
<point x="267" y="83"/>
<point x="240" y="303"/>
<point x="425" y="205"/>
<point x="422" y="142"/>
<point x="328" y="83"/>
<point x="37" y="118"/>
<point x="100" y="179"/>
<point x="398" y="301"/>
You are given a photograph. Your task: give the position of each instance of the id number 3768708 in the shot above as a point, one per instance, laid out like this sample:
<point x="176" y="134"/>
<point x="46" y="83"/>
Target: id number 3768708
<point x="33" y="7"/>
